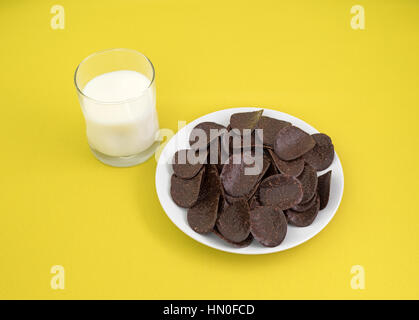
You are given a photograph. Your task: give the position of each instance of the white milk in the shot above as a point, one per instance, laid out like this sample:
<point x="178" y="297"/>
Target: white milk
<point x="115" y="128"/>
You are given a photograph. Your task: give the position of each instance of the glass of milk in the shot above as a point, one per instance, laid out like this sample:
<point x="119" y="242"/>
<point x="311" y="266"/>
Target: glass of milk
<point x="117" y="95"/>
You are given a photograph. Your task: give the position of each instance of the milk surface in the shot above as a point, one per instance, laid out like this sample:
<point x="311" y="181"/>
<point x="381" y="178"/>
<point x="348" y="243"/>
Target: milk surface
<point x="120" y="112"/>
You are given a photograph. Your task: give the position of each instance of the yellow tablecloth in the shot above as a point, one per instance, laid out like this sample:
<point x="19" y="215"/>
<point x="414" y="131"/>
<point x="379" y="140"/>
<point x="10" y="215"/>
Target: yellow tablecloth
<point x="105" y="226"/>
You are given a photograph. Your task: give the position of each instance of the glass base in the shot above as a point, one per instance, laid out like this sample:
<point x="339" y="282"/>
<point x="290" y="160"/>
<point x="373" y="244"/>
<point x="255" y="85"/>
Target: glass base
<point x="127" y="161"/>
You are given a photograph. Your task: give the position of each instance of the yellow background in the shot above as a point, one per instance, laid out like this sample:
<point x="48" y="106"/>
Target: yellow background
<point x="60" y="206"/>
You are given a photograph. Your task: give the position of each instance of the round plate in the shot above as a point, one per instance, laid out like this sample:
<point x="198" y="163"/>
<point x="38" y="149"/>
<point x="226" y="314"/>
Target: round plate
<point x="295" y="235"/>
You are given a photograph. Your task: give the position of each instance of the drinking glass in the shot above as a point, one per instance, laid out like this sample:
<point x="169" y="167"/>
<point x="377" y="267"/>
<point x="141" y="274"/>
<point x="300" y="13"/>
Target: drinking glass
<point x="121" y="132"/>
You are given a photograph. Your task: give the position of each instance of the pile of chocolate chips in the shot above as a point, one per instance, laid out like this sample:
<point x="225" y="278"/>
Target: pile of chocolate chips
<point x="239" y="207"/>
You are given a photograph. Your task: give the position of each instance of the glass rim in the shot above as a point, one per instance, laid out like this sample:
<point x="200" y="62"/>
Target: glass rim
<point x="110" y="50"/>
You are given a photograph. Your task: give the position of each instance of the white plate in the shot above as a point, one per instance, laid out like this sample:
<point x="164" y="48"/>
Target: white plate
<point x="295" y="235"/>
